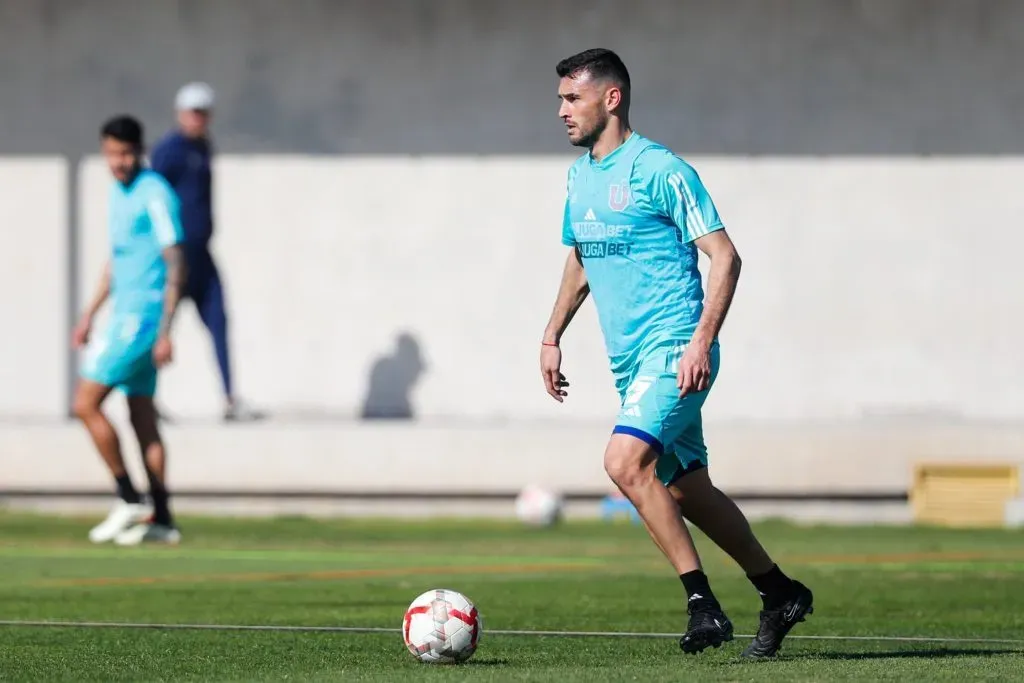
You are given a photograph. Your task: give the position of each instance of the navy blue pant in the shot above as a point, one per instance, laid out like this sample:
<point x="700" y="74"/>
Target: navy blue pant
<point x="204" y="287"/>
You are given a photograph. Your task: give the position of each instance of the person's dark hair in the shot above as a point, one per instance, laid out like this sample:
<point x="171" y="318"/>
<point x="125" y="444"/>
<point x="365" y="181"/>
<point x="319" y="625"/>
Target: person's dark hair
<point x="600" y="64"/>
<point x="124" y="129"/>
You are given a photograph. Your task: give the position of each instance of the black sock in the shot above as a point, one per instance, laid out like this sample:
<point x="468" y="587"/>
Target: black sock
<point x="161" y="501"/>
<point x="774" y="586"/>
<point x="697" y="586"/>
<point x="125" y="489"/>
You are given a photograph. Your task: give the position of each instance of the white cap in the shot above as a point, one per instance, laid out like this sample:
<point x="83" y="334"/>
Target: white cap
<point x="194" y="96"/>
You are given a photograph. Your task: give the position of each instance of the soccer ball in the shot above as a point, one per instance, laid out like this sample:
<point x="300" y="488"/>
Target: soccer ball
<point x="538" y="506"/>
<point x="442" y="627"/>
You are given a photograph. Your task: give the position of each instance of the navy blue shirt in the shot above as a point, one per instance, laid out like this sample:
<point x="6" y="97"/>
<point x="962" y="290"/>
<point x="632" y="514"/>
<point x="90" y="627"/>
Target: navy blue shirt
<point x="185" y="163"/>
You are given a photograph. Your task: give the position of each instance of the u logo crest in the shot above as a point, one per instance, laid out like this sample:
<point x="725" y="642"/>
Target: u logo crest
<point x="618" y="196"/>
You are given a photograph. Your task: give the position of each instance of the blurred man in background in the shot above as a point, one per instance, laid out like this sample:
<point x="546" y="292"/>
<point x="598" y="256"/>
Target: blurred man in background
<point x="143" y="277"/>
<point x="184" y="157"/>
<point x="636" y="216"/>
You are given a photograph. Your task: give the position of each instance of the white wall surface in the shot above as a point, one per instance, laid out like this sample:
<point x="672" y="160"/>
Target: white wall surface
<point x="33" y="286"/>
<point x="871" y="287"/>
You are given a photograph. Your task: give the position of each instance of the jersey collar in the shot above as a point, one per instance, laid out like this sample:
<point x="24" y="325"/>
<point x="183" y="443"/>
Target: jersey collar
<point x="615" y="153"/>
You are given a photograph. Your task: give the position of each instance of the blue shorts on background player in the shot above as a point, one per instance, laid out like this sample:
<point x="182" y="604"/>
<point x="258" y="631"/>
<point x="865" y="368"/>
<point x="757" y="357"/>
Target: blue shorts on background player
<point x="636" y="217"/>
<point x="142" y="278"/>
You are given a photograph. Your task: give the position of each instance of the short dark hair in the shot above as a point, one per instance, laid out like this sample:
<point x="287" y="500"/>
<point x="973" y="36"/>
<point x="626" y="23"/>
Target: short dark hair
<point x="599" y="63"/>
<point x="123" y="128"/>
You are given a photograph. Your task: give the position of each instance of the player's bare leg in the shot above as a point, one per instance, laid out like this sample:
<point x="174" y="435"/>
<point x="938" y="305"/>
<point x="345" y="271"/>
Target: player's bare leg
<point x="88" y="408"/>
<point x="161" y="528"/>
<point x="721" y="520"/>
<point x="786" y="602"/>
<point x="630" y="462"/>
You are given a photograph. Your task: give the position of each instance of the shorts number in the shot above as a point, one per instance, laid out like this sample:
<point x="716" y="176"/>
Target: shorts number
<point x="637" y="389"/>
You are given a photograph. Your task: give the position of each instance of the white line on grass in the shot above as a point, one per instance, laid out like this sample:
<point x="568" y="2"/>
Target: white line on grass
<point x="497" y="632"/>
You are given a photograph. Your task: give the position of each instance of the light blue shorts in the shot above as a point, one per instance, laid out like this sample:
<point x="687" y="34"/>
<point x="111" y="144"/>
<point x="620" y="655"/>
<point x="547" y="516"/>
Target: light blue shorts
<point x="652" y="411"/>
<point x="122" y="356"/>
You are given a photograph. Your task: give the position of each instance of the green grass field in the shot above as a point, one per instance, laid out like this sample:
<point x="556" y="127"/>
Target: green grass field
<point x="579" y="577"/>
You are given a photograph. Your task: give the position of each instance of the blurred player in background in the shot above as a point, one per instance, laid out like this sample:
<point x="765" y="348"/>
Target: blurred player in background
<point x="143" y="279"/>
<point x="184" y="157"/>
<point x="635" y="217"/>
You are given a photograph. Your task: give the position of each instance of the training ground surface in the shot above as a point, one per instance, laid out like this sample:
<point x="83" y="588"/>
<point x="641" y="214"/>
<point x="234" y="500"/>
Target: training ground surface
<point x="966" y="587"/>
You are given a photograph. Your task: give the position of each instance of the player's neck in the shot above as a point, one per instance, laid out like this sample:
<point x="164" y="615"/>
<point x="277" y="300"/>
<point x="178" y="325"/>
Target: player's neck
<point x="130" y="179"/>
<point x="614" y="136"/>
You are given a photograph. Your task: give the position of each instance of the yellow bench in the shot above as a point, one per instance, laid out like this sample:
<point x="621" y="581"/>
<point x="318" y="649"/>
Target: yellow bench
<point x="963" y="494"/>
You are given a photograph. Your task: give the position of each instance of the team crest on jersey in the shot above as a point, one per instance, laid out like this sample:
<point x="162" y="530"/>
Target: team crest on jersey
<point x="618" y="196"/>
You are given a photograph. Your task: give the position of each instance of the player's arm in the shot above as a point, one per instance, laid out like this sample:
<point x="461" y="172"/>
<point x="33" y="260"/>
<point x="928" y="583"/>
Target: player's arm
<point x="572" y="292"/>
<point x="722" y="279"/>
<point x="164" y="216"/>
<point x="174" y="286"/>
<point x="678" y="192"/>
<point x="102" y="292"/>
<point x="81" y="332"/>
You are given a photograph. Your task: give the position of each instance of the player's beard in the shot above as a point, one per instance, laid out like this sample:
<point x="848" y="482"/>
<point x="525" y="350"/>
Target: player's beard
<point x="126" y="174"/>
<point x="589" y="138"/>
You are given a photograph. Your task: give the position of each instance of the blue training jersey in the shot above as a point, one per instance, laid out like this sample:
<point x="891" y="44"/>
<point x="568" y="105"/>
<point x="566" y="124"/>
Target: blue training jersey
<point x="633" y="216"/>
<point x="143" y="221"/>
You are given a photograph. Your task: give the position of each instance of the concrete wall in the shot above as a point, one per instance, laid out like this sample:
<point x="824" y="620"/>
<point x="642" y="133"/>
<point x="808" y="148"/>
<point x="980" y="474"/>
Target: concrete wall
<point x="861" y="291"/>
<point x="861" y="295"/>
<point x="33" y="286"/>
<point x="470" y="76"/>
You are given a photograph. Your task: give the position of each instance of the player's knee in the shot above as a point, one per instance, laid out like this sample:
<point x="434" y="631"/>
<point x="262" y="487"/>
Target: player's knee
<point x="153" y="459"/>
<point x="628" y="470"/>
<point x="84" y="406"/>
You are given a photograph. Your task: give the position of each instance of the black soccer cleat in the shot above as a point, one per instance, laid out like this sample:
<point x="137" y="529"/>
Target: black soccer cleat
<point x="708" y="626"/>
<point x="777" y="622"/>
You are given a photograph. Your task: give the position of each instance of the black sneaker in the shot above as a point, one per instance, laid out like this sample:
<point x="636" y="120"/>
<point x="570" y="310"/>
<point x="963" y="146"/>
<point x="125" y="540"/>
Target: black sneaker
<point x="776" y="623"/>
<point x="708" y="626"/>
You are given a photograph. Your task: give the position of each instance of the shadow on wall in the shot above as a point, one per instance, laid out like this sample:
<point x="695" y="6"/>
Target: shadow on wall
<point x="392" y="378"/>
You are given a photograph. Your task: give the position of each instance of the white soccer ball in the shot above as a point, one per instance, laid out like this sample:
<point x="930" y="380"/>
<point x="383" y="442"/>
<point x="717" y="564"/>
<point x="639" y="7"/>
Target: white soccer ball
<point x="442" y="627"/>
<point x="538" y="506"/>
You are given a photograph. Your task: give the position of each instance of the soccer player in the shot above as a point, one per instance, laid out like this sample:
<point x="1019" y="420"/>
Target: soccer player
<point x="183" y="157"/>
<point x="636" y="216"/>
<point x="143" y="279"/>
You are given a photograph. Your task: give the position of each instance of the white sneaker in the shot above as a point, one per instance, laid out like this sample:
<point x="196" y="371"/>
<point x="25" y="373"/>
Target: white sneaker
<point x="149" y="533"/>
<point x="123" y="516"/>
<point x="240" y="412"/>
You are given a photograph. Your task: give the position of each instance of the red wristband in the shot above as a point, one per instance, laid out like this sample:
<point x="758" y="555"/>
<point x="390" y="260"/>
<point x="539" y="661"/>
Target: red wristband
<point x="544" y="343"/>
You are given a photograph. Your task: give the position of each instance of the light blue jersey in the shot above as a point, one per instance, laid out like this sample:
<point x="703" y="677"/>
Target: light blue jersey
<point x="634" y="216"/>
<point x="143" y="221"/>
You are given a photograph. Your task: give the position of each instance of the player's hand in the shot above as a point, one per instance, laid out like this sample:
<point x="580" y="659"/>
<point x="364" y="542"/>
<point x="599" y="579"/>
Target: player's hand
<point x="80" y="335"/>
<point x="694" y="368"/>
<point x="163" y="351"/>
<point x="550" y="370"/>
